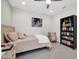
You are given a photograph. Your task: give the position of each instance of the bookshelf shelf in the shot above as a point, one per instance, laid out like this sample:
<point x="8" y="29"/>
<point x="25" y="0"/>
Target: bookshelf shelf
<point x="68" y="31"/>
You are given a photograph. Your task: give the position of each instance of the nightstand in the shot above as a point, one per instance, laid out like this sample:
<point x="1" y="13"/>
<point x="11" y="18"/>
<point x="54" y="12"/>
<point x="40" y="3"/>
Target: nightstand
<point x="9" y="53"/>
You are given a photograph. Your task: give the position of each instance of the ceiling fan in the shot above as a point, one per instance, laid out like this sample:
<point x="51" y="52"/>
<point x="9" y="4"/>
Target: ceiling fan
<point x="48" y="2"/>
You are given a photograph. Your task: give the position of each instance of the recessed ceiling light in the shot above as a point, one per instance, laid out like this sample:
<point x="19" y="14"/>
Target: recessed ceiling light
<point x="23" y="3"/>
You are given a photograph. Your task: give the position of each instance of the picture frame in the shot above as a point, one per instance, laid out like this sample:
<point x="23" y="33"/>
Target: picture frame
<point x="36" y="22"/>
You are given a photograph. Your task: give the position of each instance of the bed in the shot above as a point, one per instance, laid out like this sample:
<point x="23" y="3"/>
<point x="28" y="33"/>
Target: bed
<point x="28" y="43"/>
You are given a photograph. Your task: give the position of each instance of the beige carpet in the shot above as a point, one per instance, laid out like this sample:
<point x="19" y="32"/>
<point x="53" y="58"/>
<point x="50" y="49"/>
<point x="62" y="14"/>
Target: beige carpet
<point x="58" y="51"/>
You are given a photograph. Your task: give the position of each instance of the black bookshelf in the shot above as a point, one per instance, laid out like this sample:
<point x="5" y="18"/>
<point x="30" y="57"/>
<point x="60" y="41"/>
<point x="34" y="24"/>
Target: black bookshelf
<point x="68" y="31"/>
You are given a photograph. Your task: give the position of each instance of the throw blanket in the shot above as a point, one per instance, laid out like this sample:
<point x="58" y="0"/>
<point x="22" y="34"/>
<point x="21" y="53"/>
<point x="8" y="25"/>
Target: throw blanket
<point x="42" y="38"/>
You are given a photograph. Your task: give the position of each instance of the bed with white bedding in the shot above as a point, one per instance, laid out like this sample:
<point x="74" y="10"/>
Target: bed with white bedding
<point x="29" y="43"/>
<point x="32" y="42"/>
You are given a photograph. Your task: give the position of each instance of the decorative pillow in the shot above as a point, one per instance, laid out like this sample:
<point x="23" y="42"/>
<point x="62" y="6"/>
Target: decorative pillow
<point x="21" y="36"/>
<point x="12" y="35"/>
<point x="7" y="39"/>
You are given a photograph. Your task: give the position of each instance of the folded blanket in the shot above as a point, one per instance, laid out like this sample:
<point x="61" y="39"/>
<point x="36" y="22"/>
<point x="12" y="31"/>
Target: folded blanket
<point x="42" y="38"/>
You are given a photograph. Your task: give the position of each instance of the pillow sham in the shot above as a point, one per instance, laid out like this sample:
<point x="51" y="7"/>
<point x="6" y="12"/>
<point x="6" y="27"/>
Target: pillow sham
<point x="6" y="38"/>
<point x="12" y="35"/>
<point x="21" y="35"/>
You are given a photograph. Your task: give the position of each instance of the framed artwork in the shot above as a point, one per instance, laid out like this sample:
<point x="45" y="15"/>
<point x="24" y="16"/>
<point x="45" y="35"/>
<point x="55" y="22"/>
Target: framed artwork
<point x="36" y="22"/>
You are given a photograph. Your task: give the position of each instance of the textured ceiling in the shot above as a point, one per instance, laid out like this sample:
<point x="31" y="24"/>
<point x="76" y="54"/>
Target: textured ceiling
<point x="40" y="7"/>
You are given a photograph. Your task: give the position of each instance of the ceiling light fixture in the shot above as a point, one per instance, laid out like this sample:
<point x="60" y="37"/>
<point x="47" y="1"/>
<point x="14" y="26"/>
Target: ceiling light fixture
<point x="23" y="3"/>
<point x="48" y="1"/>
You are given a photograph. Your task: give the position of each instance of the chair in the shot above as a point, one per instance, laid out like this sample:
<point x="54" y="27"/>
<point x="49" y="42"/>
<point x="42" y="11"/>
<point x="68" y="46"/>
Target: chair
<point x="52" y="36"/>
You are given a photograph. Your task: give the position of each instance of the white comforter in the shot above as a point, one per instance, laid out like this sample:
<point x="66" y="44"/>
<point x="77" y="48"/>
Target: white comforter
<point x="30" y="43"/>
<point x="42" y="38"/>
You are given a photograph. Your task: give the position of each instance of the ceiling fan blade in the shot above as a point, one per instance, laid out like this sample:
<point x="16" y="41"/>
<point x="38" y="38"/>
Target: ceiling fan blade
<point x="39" y="0"/>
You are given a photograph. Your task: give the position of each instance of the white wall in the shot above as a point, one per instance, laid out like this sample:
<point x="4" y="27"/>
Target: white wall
<point x="6" y="13"/>
<point x="22" y="20"/>
<point x="56" y="20"/>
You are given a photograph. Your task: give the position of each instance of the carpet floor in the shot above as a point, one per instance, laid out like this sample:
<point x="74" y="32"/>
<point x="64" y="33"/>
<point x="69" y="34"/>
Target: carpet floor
<point x="58" y="51"/>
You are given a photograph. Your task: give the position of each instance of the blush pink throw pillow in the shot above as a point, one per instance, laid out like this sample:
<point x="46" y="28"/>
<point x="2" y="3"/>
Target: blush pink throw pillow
<point x="13" y="35"/>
